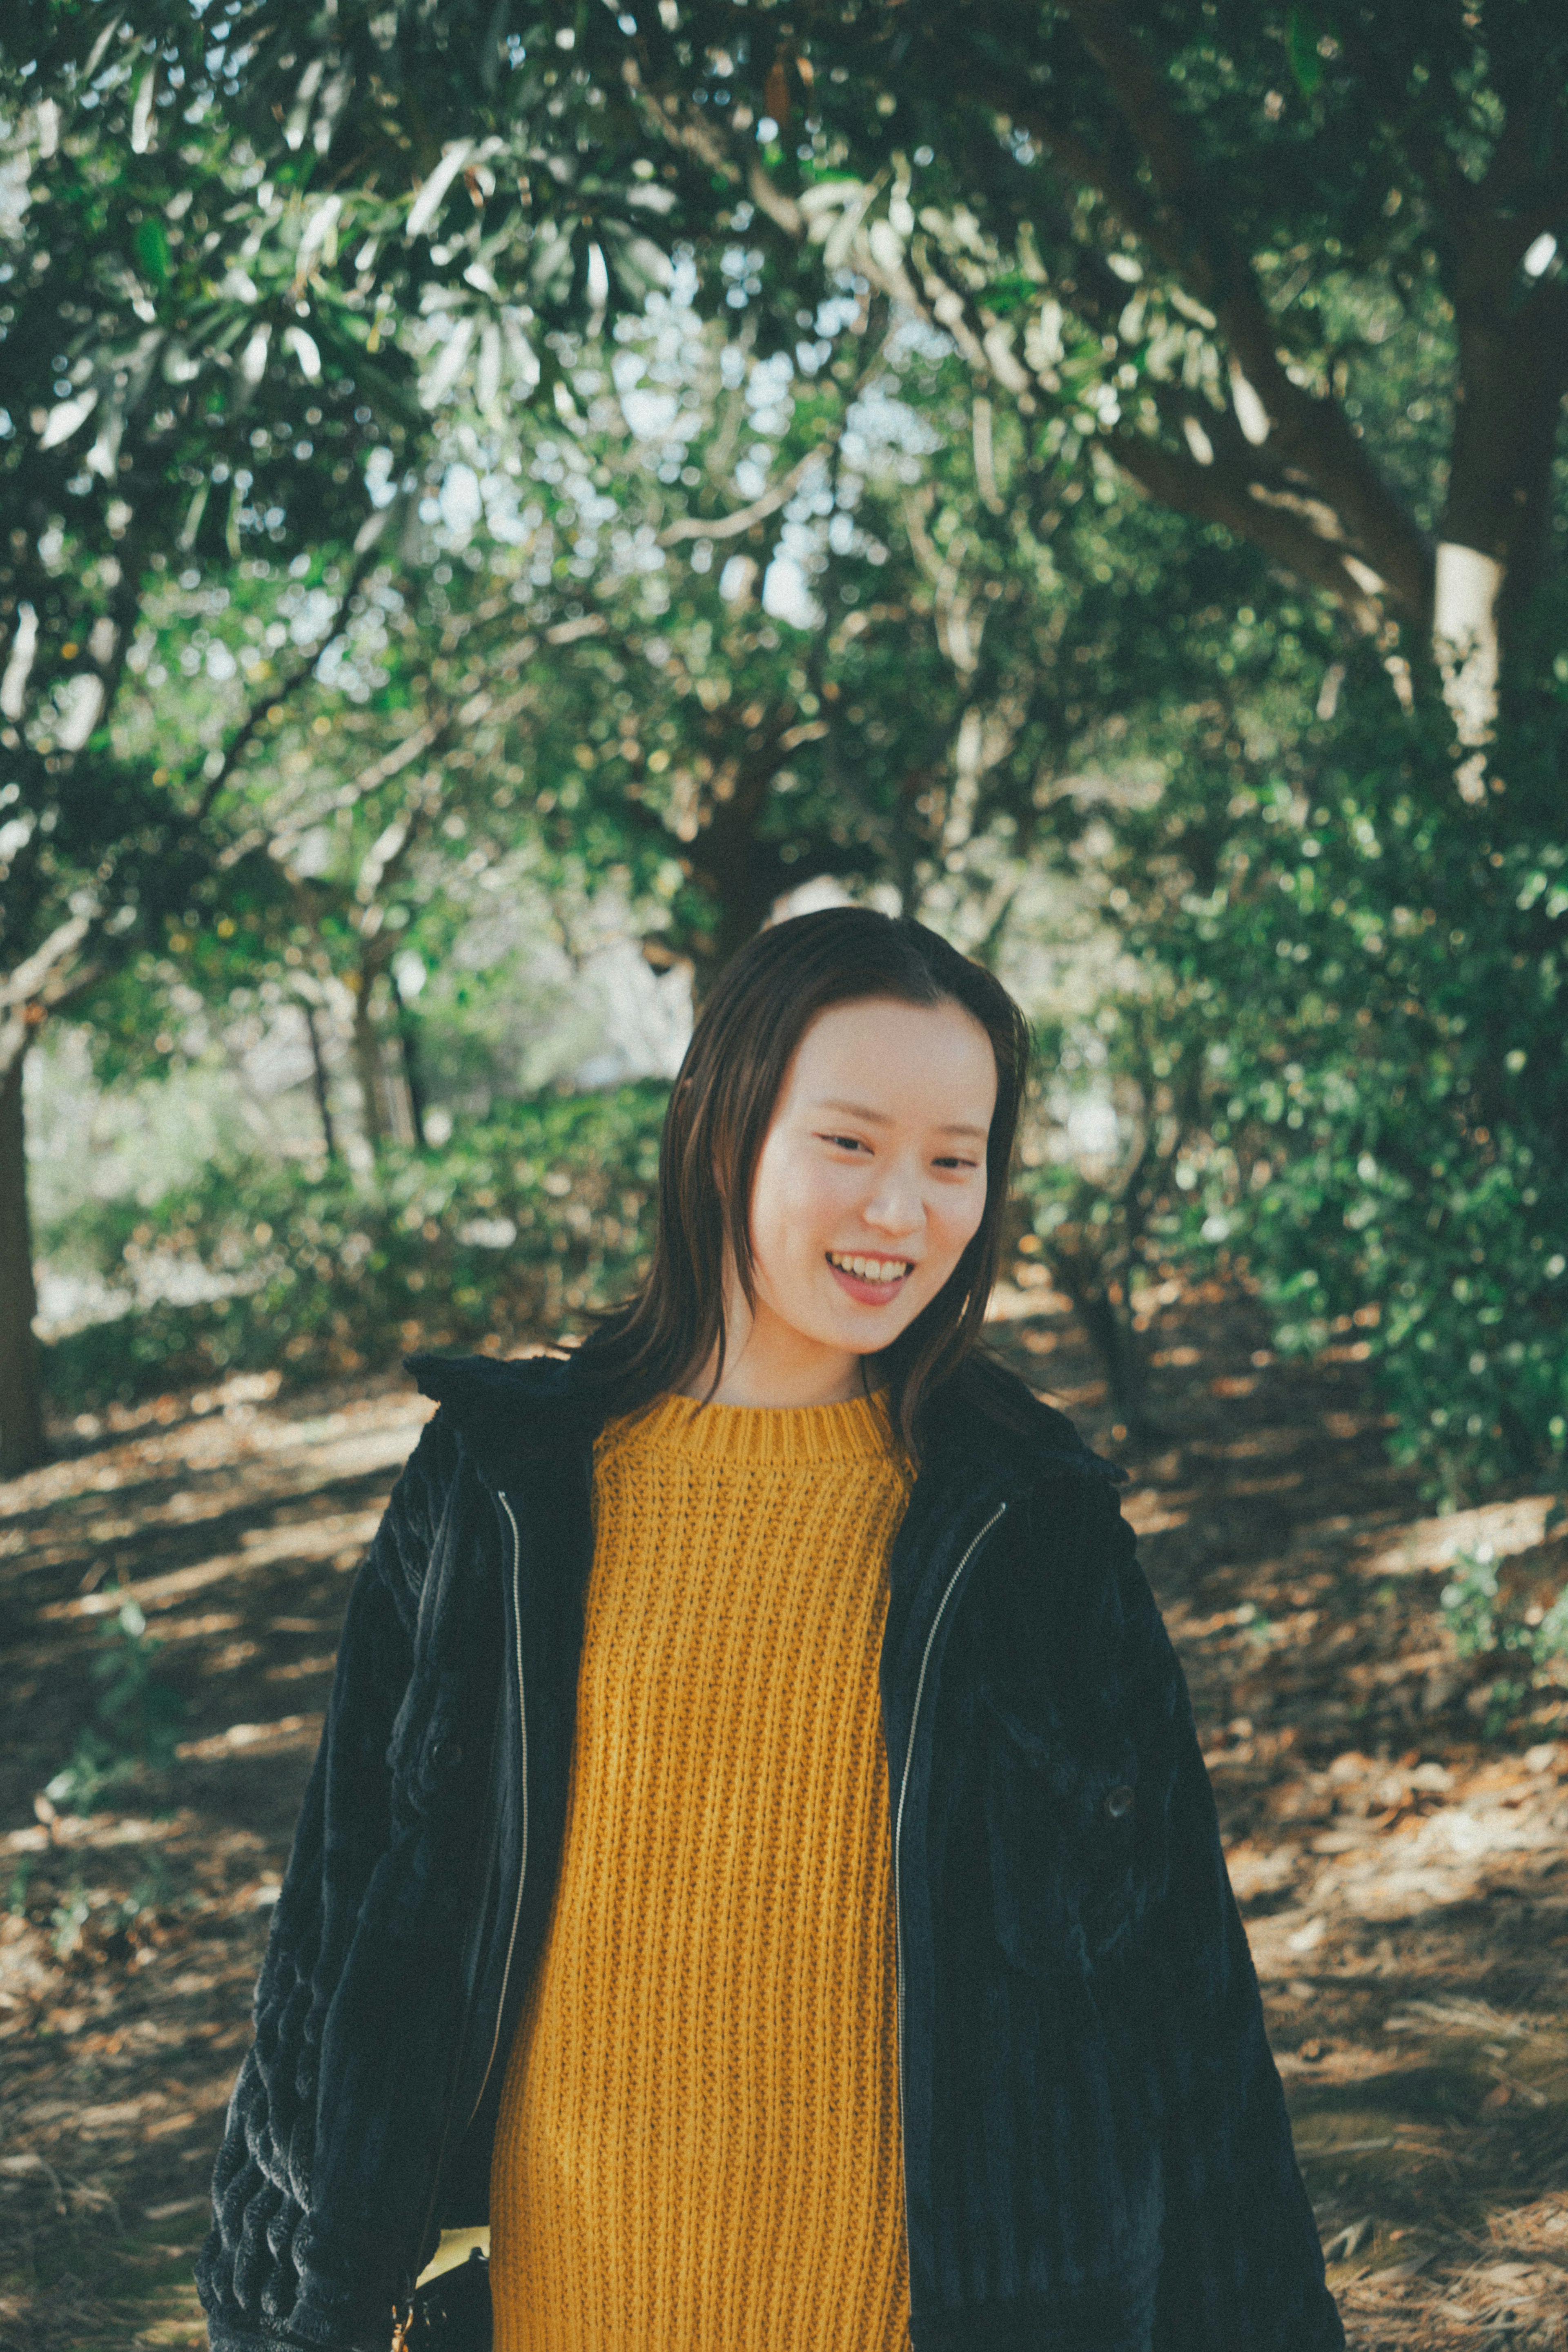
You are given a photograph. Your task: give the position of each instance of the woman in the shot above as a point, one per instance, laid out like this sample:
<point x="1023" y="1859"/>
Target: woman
<point x="760" y="1859"/>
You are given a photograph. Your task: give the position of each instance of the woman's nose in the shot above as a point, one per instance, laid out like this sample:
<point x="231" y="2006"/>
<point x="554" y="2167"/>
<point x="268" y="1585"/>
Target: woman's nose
<point x="895" y="1206"/>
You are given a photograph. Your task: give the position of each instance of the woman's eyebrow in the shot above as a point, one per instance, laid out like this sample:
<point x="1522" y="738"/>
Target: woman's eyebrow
<point x="880" y="1118"/>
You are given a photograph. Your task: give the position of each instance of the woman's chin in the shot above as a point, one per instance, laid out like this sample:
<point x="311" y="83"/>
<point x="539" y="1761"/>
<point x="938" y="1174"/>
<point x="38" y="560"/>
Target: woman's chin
<point x="868" y="1331"/>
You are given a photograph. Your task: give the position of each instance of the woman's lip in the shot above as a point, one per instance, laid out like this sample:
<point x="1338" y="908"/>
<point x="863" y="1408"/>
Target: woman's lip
<point x="869" y="1294"/>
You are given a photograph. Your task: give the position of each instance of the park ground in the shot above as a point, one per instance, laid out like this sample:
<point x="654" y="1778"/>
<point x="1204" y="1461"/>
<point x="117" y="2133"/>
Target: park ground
<point x="1403" y="1876"/>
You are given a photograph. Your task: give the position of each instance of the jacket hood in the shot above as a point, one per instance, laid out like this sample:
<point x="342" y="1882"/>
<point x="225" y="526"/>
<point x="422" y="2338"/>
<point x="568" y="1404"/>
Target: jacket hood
<point x="509" y="1412"/>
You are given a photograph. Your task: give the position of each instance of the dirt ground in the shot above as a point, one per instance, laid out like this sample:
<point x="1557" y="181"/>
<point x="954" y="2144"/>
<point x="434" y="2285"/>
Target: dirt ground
<point x="1404" y="1879"/>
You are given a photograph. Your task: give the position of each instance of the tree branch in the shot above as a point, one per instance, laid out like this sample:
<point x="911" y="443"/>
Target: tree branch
<point x="29" y="979"/>
<point x="1312" y="434"/>
<point x="1089" y="168"/>
<point x="365" y="547"/>
<point x="731" y="526"/>
<point x="39" y="988"/>
<point x="388" y="855"/>
<point x="1218" y="494"/>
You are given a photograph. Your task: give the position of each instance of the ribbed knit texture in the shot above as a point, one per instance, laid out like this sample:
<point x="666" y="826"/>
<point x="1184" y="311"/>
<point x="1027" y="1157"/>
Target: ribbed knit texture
<point x="698" y="2146"/>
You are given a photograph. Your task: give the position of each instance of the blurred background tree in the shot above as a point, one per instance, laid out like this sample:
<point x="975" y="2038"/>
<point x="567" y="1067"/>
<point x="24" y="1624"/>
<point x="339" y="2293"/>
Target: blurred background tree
<point x="498" y="504"/>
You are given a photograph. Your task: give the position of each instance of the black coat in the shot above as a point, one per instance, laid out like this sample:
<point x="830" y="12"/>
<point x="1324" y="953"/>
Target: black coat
<point x="1097" y="2152"/>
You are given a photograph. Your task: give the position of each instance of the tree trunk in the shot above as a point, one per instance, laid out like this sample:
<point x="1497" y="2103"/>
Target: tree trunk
<point x="318" y="1080"/>
<point x="741" y="875"/>
<point x="1496" y="540"/>
<point x="413" y="1071"/>
<point x="21" y="1444"/>
<point x="368" y="1065"/>
<point x="1513" y="369"/>
<point x="1109" y="1330"/>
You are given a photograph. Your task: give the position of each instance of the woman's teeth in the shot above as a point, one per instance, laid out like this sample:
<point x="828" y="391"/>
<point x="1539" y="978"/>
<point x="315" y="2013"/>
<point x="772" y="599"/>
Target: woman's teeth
<point x="871" y="1269"/>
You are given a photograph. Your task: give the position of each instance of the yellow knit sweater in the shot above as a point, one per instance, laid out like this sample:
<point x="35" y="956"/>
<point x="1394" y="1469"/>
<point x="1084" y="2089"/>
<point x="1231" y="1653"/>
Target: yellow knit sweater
<point x="698" y="2145"/>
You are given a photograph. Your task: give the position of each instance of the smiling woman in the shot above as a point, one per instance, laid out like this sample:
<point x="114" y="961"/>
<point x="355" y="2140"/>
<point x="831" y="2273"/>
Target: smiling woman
<point x="761" y="1873"/>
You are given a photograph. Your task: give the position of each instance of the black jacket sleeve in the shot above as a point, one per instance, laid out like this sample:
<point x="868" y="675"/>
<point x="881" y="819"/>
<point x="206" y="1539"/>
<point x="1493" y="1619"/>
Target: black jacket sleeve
<point x="1241" y="2269"/>
<point x="257" y="2275"/>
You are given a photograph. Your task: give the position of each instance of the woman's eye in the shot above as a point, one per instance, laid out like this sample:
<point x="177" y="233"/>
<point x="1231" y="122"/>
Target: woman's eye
<point x="957" y="1163"/>
<point x="850" y="1142"/>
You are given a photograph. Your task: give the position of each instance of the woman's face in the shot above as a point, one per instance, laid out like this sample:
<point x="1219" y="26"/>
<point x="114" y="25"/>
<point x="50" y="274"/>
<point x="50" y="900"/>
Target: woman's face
<point x="870" y="1185"/>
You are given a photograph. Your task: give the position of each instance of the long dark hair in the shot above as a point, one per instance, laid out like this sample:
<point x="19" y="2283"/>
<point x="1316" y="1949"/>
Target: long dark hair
<point x="758" y="1012"/>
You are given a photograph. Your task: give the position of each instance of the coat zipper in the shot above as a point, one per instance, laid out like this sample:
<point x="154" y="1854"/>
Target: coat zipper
<point x="974" y="1546"/>
<point x="523" y="1859"/>
<point x="404" y="2315"/>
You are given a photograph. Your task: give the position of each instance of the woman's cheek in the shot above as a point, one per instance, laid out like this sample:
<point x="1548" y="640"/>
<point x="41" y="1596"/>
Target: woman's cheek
<point x="963" y="1225"/>
<point x="960" y="1214"/>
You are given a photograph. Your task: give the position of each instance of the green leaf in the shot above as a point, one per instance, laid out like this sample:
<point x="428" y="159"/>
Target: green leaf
<point x="1013" y="292"/>
<point x="152" y="249"/>
<point x="1302" y="48"/>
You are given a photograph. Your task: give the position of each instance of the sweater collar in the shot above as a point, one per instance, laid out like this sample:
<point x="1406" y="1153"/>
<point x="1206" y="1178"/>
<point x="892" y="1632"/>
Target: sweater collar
<point x="986" y="1427"/>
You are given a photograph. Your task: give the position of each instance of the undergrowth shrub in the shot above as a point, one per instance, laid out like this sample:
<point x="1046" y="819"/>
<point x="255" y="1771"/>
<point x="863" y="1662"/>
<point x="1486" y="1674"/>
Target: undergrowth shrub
<point x="1513" y="1625"/>
<point x="137" y="1721"/>
<point x="508" y="1234"/>
<point x="1370" y="973"/>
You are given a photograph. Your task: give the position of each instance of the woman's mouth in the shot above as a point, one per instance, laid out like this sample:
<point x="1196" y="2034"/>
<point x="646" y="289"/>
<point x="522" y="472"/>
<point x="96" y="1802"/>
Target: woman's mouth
<point x="872" y="1281"/>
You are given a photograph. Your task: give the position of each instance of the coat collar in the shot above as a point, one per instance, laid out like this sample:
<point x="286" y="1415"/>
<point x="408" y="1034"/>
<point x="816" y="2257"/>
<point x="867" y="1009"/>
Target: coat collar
<point x="988" y="1429"/>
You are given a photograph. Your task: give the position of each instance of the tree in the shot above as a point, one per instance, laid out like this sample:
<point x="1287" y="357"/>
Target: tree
<point x="147" y="417"/>
<point x="1209" y="243"/>
<point x="226" y="272"/>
